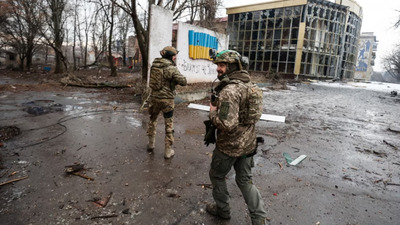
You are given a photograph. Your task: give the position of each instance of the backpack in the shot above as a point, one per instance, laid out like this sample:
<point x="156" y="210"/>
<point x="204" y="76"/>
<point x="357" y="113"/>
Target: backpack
<point x="254" y="104"/>
<point x="156" y="78"/>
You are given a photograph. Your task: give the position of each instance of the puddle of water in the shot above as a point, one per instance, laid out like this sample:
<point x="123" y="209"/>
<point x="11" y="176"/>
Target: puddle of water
<point x="69" y="108"/>
<point x="39" y="110"/>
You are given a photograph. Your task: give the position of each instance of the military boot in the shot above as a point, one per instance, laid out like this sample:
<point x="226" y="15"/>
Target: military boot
<point x="215" y="211"/>
<point x="169" y="152"/>
<point x="151" y="143"/>
<point x="259" y="221"/>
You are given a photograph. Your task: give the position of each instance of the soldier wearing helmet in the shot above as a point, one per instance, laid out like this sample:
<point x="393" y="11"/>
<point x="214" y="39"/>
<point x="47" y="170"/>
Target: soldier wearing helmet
<point x="164" y="76"/>
<point x="236" y="141"/>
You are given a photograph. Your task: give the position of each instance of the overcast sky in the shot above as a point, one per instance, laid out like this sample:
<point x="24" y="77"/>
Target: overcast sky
<point x="379" y="17"/>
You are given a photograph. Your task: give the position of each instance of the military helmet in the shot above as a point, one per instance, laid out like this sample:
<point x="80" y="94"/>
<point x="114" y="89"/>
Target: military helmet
<point x="169" y="51"/>
<point x="227" y="56"/>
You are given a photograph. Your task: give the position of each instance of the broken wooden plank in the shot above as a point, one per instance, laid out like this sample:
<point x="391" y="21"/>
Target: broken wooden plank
<point x="81" y="175"/>
<point x="266" y="117"/>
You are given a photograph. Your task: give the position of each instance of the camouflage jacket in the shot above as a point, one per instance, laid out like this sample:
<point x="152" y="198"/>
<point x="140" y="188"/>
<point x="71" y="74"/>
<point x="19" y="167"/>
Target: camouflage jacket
<point x="233" y="138"/>
<point x="171" y="78"/>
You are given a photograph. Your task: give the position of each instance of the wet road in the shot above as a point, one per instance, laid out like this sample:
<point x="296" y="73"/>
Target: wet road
<point x="349" y="175"/>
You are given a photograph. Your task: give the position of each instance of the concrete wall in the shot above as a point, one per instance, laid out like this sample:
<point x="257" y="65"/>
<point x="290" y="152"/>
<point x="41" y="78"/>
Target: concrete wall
<point x="160" y="32"/>
<point x="199" y="70"/>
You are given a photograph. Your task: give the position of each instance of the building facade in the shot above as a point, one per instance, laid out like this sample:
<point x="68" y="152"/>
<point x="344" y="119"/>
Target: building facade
<point x="312" y="38"/>
<point x="367" y="47"/>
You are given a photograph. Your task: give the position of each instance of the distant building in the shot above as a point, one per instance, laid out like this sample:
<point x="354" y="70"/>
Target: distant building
<point x="8" y="58"/>
<point x="367" y="47"/>
<point x="311" y="38"/>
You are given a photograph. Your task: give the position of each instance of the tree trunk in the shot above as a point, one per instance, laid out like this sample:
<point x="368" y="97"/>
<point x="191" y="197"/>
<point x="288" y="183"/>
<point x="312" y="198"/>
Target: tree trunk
<point x="124" y="54"/>
<point x="21" y="64"/>
<point x="110" y="57"/>
<point x="57" y="10"/>
<point x="75" y="31"/>
<point x="29" y="56"/>
<point x="59" y="64"/>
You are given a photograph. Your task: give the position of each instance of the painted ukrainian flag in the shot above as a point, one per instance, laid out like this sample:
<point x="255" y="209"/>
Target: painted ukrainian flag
<point x="200" y="43"/>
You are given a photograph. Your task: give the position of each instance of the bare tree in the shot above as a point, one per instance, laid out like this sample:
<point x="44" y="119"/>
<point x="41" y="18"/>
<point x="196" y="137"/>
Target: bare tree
<point x="4" y="9"/>
<point x="21" y="28"/>
<point x="397" y="24"/>
<point x="207" y="12"/>
<point x="99" y="36"/>
<point x="110" y="19"/>
<point x="108" y="11"/>
<point x="56" y="17"/>
<point x="392" y="63"/>
<point x="87" y="23"/>
<point x="193" y="10"/>
<point x="124" y="23"/>
<point x="76" y="33"/>
<point x="131" y="8"/>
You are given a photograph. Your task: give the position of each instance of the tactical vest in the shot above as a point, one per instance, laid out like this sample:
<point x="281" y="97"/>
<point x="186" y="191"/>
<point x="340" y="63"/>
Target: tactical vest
<point x="251" y="111"/>
<point x="156" y="78"/>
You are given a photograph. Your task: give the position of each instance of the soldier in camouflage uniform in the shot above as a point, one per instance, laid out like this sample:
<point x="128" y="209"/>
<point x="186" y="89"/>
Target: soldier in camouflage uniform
<point x="163" y="100"/>
<point x="235" y="141"/>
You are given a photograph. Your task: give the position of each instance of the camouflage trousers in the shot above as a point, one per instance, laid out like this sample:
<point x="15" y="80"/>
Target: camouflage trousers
<point x="221" y="164"/>
<point x="166" y="106"/>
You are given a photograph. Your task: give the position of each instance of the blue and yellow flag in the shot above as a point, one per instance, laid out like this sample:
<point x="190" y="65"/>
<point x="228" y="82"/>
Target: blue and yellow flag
<point x="200" y="44"/>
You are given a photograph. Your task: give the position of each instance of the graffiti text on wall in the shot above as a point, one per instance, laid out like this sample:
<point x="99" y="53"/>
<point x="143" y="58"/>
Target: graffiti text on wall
<point x="191" y="67"/>
<point x="200" y="43"/>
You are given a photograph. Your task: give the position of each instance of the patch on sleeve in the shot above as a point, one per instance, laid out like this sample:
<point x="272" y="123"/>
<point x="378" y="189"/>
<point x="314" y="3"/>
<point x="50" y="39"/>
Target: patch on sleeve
<point x="224" y="111"/>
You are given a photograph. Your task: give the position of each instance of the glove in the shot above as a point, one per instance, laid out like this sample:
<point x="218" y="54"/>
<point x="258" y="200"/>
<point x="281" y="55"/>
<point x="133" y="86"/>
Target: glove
<point x="209" y="137"/>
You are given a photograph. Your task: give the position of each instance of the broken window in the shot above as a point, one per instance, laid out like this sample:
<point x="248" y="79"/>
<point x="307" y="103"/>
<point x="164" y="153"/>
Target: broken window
<point x="278" y="23"/>
<point x="288" y="12"/>
<point x="270" y="23"/>
<point x="279" y="12"/>
<point x="296" y="22"/>
<point x="287" y="22"/>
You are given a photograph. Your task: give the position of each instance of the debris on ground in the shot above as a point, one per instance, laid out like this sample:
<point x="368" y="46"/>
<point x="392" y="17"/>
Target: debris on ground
<point x="346" y="177"/>
<point x="13" y="180"/>
<point x="104" y="217"/>
<point x="294" y="162"/>
<point x="391" y="145"/>
<point x="205" y="186"/>
<point x="172" y="193"/>
<point x="394" y="129"/>
<point x="87" y="82"/>
<point x="101" y="202"/>
<point x="75" y="170"/>
<point x="9" y="132"/>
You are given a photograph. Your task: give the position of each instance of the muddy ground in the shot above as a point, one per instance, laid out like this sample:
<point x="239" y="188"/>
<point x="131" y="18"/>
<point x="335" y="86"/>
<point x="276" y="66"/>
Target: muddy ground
<point x="350" y="176"/>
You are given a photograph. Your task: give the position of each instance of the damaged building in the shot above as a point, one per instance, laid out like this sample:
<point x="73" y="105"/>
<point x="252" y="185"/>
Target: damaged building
<point x="310" y="38"/>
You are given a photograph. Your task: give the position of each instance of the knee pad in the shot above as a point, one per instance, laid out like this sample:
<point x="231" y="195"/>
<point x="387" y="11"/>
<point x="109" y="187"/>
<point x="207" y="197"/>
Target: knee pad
<point x="169" y="114"/>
